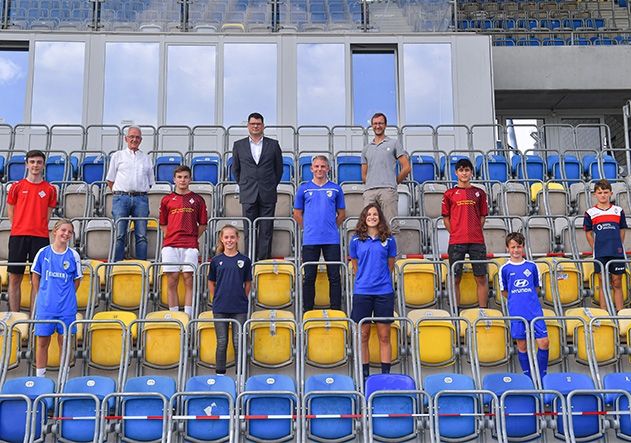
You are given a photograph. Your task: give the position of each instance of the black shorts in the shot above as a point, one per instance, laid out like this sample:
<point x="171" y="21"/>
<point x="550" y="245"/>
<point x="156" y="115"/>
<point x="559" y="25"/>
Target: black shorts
<point x="23" y="248"/>
<point x="476" y="251"/>
<point x="613" y="268"/>
<point x="373" y="306"/>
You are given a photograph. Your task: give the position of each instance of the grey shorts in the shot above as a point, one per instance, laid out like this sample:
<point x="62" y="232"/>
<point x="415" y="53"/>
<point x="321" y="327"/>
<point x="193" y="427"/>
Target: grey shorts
<point x="476" y="251"/>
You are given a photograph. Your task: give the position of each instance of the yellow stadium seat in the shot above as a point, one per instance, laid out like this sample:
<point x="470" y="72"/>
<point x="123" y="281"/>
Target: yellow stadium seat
<point x="85" y="287"/>
<point x="554" y="336"/>
<point x="54" y="355"/>
<point x="19" y="334"/>
<point x="568" y="280"/>
<point x="373" y="344"/>
<point x="325" y="338"/>
<point x="494" y="278"/>
<point x="4" y="277"/>
<point x="127" y="284"/>
<point x="181" y="290"/>
<point x="207" y="342"/>
<point x="468" y="287"/>
<point x="274" y="283"/>
<point x="272" y="341"/>
<point x="597" y="284"/>
<point x="163" y="341"/>
<point x="421" y="283"/>
<point x="588" y="271"/>
<point x="624" y="324"/>
<point x="491" y="335"/>
<point x="437" y="339"/>
<point x="106" y="339"/>
<point x="537" y="187"/>
<point x="604" y="334"/>
<point x="322" y="296"/>
<point x="25" y="287"/>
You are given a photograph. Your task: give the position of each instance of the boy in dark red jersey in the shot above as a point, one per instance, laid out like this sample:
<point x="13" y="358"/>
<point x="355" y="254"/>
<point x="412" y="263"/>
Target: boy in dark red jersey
<point x="30" y="204"/>
<point x="464" y="209"/>
<point x="183" y="219"/>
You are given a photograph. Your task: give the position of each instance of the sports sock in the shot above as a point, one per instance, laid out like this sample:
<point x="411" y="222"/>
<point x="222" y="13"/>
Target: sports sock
<point x="542" y="361"/>
<point x="524" y="363"/>
<point x="385" y="368"/>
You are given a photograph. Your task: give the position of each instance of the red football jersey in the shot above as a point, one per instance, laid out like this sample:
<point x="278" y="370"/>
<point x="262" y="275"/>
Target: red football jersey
<point x="182" y="214"/>
<point x="30" y="203"/>
<point x="464" y="207"/>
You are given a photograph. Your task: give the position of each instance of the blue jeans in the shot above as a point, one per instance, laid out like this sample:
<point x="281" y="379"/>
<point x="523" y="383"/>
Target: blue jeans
<point x="330" y="253"/>
<point x="130" y="206"/>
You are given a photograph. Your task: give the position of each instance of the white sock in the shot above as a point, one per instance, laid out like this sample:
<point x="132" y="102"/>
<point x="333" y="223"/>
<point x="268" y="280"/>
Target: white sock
<point x="188" y="310"/>
<point x="40" y="372"/>
<point x="174" y="308"/>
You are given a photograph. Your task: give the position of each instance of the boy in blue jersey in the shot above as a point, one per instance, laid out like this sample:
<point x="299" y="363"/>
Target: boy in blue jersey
<point x="55" y="277"/>
<point x="320" y="209"/>
<point x="520" y="281"/>
<point x="604" y="226"/>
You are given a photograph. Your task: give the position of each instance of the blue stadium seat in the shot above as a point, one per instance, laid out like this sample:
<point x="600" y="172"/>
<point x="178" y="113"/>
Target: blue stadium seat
<point x="424" y="168"/>
<point x="145" y="430"/>
<point x="456" y="427"/>
<point x="277" y="429"/>
<point x="528" y="41"/>
<point x="592" y="171"/>
<point x="571" y="167"/>
<point x="336" y="429"/>
<point x="497" y="164"/>
<point x="205" y="168"/>
<point x="622" y="381"/>
<point x="16" y="167"/>
<point x="13" y="412"/>
<point x="534" y="167"/>
<point x="93" y="168"/>
<point x="596" y="23"/>
<point x="349" y="168"/>
<point x="508" y="41"/>
<point x="578" y="41"/>
<point x="83" y="430"/>
<point x="396" y="427"/>
<point x="209" y="430"/>
<point x="447" y="168"/>
<point x="304" y="165"/>
<point x="553" y="41"/>
<point x="230" y="172"/>
<point x="585" y="426"/>
<point x="2" y="164"/>
<point x="517" y="427"/>
<point x="288" y="169"/>
<point x="165" y="167"/>
<point x="55" y="168"/>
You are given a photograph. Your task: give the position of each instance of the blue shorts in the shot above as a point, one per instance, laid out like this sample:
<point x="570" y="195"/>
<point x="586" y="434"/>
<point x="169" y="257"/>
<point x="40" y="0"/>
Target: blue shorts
<point x="372" y="306"/>
<point x="613" y="268"/>
<point x="518" y="329"/>
<point x="48" y="329"/>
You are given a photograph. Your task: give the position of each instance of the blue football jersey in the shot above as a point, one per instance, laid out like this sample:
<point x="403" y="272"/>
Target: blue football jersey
<point x="58" y="272"/>
<point x="521" y="280"/>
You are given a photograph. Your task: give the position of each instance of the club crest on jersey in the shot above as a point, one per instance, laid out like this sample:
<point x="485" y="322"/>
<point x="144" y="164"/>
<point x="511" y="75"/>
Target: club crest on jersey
<point x="527" y="273"/>
<point x="42" y="194"/>
<point x="221" y="263"/>
<point x="191" y="201"/>
<point x="477" y="194"/>
<point x="240" y="263"/>
<point x="310" y="193"/>
<point x="329" y="194"/>
<point x="66" y="264"/>
<point x="384" y="243"/>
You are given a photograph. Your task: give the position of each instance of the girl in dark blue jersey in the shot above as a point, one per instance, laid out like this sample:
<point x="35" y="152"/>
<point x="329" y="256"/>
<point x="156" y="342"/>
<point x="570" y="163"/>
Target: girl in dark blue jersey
<point x="229" y="282"/>
<point x="372" y="251"/>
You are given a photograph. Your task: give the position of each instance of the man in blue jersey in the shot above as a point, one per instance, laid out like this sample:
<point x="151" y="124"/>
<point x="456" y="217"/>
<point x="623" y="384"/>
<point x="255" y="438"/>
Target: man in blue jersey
<point x="604" y="226"/>
<point x="55" y="277"/>
<point x="520" y="281"/>
<point x="319" y="208"/>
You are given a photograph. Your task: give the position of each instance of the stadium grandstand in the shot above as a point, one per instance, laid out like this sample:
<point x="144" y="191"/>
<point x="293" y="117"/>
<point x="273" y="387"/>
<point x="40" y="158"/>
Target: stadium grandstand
<point x="534" y="92"/>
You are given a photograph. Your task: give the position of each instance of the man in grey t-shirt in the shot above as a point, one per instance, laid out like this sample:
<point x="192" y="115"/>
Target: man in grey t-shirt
<point x="379" y="160"/>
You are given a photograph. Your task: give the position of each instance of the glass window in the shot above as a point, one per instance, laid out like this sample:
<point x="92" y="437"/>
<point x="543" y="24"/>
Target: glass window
<point x="249" y="82"/>
<point x="523" y="133"/>
<point x="13" y="76"/>
<point x="374" y="86"/>
<point x="321" y="84"/>
<point x="131" y="83"/>
<point x="58" y="83"/>
<point x="428" y="84"/>
<point x="190" y="85"/>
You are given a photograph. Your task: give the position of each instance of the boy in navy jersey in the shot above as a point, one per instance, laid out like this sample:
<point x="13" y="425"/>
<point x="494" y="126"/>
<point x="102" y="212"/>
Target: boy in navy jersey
<point x="604" y="226"/>
<point x="520" y="281"/>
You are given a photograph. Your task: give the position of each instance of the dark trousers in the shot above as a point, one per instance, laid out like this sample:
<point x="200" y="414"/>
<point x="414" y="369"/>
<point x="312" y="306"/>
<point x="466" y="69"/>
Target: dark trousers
<point x="330" y="253"/>
<point x="221" y="330"/>
<point x="263" y="246"/>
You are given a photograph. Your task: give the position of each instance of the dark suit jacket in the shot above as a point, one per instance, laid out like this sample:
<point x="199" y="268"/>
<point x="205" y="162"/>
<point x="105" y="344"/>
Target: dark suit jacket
<point x="257" y="180"/>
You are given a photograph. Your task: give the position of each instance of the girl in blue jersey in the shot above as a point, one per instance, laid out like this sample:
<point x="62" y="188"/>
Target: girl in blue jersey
<point x="372" y="251"/>
<point x="229" y="282"/>
<point x="55" y="277"/>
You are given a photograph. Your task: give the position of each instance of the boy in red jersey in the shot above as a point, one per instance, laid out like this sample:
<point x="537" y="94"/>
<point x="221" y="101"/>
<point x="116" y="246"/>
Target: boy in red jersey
<point x="183" y="219"/>
<point x="30" y="203"/>
<point x="464" y="209"/>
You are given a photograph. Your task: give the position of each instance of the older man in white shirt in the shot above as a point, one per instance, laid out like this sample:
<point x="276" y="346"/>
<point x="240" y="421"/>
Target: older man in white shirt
<point x="130" y="175"/>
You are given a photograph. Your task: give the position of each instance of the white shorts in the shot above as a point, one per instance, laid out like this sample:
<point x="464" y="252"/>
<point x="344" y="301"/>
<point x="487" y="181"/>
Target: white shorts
<point x="179" y="255"/>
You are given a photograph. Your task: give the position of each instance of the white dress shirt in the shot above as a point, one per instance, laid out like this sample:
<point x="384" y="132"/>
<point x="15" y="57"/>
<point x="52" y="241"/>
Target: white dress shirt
<point x="256" y="149"/>
<point x="130" y="171"/>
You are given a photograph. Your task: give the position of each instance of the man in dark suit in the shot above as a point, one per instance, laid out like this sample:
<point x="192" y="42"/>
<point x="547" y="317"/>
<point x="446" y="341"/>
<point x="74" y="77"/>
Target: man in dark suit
<point x="258" y="167"/>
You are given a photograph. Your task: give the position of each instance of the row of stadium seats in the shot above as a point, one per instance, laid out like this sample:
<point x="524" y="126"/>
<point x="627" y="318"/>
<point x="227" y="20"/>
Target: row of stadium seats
<point x="531" y="24"/>
<point x="558" y="41"/>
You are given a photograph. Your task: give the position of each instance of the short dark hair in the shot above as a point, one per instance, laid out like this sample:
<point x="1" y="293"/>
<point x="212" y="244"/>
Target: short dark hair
<point x="379" y="114"/>
<point x="517" y="237"/>
<point x="182" y="168"/>
<point x="35" y="153"/>
<point x="464" y="163"/>
<point x="256" y="116"/>
<point x="602" y="184"/>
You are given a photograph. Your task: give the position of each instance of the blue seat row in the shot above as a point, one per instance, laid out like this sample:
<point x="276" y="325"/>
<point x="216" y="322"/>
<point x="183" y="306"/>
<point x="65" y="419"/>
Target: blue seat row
<point x="570" y="24"/>
<point x="556" y="41"/>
